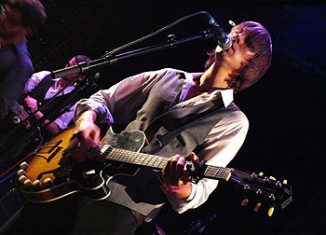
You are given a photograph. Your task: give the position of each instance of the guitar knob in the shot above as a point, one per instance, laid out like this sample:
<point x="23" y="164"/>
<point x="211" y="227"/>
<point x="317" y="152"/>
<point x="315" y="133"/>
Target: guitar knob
<point x="270" y="212"/>
<point x="21" y="172"/>
<point x="37" y="184"/>
<point x="22" y="178"/>
<point x="244" y="202"/>
<point x="285" y="182"/>
<point x="89" y="174"/>
<point x="47" y="182"/>
<point x="24" y="166"/>
<point x="261" y="174"/>
<point x="27" y="183"/>
<point x="257" y="207"/>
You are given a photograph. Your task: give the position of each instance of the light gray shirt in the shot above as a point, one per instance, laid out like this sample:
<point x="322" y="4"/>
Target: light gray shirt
<point x="64" y="119"/>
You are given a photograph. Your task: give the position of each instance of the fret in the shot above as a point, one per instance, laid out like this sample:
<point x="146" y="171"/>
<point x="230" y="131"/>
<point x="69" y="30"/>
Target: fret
<point x="124" y="157"/>
<point x="151" y="162"/>
<point x="117" y="155"/>
<point x="163" y="163"/>
<point x="139" y="160"/>
<point x="217" y="172"/>
<point x="147" y="160"/>
<point x="130" y="156"/>
<point x="211" y="171"/>
<point x="158" y="161"/>
<point x="142" y="159"/>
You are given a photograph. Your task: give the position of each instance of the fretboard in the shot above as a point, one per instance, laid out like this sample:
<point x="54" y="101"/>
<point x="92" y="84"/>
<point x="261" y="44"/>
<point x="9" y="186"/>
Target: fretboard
<point x="158" y="162"/>
<point x="141" y="159"/>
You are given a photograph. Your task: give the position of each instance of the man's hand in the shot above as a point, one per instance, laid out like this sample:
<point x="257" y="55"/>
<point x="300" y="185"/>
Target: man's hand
<point x="31" y="104"/>
<point x="84" y="144"/>
<point x="175" y="177"/>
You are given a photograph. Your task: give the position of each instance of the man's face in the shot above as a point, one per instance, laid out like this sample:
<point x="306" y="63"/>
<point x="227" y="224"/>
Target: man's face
<point x="238" y="54"/>
<point x="12" y="30"/>
<point x="73" y="76"/>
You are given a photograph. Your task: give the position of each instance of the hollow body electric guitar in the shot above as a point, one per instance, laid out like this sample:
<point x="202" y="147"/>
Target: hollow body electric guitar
<point x="51" y="175"/>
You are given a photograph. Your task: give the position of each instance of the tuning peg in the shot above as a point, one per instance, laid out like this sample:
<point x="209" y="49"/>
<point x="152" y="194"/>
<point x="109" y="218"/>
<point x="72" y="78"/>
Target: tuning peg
<point x="258" y="205"/>
<point x="246" y="187"/>
<point x="265" y="179"/>
<point x="270" y="212"/>
<point x="285" y="182"/>
<point x="259" y="192"/>
<point x="24" y="165"/>
<point x="272" y="197"/>
<point x="261" y="174"/>
<point x="244" y="202"/>
<point x="278" y="184"/>
<point x="272" y="178"/>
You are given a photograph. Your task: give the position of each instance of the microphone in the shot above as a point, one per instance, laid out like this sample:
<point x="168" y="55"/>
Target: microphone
<point x="215" y="31"/>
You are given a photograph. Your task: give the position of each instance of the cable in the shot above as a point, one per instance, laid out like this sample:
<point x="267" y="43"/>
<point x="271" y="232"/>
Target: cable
<point x="15" y="165"/>
<point x="114" y="51"/>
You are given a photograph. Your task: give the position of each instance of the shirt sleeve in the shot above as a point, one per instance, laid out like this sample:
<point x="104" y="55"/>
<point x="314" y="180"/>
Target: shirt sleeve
<point x="64" y="120"/>
<point x="34" y="80"/>
<point x="219" y="148"/>
<point x="118" y="103"/>
<point x="12" y="85"/>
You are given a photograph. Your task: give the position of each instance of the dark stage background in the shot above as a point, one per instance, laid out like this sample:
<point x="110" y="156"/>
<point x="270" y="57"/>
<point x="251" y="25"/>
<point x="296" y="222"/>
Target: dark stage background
<point x="286" y="108"/>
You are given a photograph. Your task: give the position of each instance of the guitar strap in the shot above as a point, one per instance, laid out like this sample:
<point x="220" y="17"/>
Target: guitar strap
<point x="181" y="123"/>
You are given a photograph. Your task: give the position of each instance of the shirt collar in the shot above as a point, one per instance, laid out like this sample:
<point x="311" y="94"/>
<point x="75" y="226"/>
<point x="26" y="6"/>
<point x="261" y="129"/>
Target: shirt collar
<point x="226" y="94"/>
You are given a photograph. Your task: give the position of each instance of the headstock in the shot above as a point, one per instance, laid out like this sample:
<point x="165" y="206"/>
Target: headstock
<point x="263" y="190"/>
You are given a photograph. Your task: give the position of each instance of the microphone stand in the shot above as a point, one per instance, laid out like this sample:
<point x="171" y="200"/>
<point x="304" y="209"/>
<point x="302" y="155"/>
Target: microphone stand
<point x="109" y="59"/>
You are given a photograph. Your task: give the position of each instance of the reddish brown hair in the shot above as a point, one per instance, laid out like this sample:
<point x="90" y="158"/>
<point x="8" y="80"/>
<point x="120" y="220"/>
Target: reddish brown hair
<point x="33" y="12"/>
<point x="258" y="41"/>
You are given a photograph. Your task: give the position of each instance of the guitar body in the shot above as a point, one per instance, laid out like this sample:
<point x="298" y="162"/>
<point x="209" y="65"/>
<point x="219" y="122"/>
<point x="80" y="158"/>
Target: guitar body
<point x="47" y="160"/>
<point x="51" y="175"/>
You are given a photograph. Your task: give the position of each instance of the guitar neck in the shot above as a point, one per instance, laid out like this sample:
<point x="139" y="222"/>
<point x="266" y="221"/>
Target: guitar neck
<point x="158" y="162"/>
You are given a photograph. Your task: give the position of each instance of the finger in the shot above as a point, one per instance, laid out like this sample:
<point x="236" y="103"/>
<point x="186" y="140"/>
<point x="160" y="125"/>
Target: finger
<point x="166" y="169"/>
<point x="194" y="158"/>
<point x="95" y="134"/>
<point x="176" y="169"/>
<point x="180" y="167"/>
<point x="169" y="172"/>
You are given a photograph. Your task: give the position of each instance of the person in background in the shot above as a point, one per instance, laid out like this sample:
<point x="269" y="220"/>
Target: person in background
<point x="41" y="88"/>
<point x="18" y="19"/>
